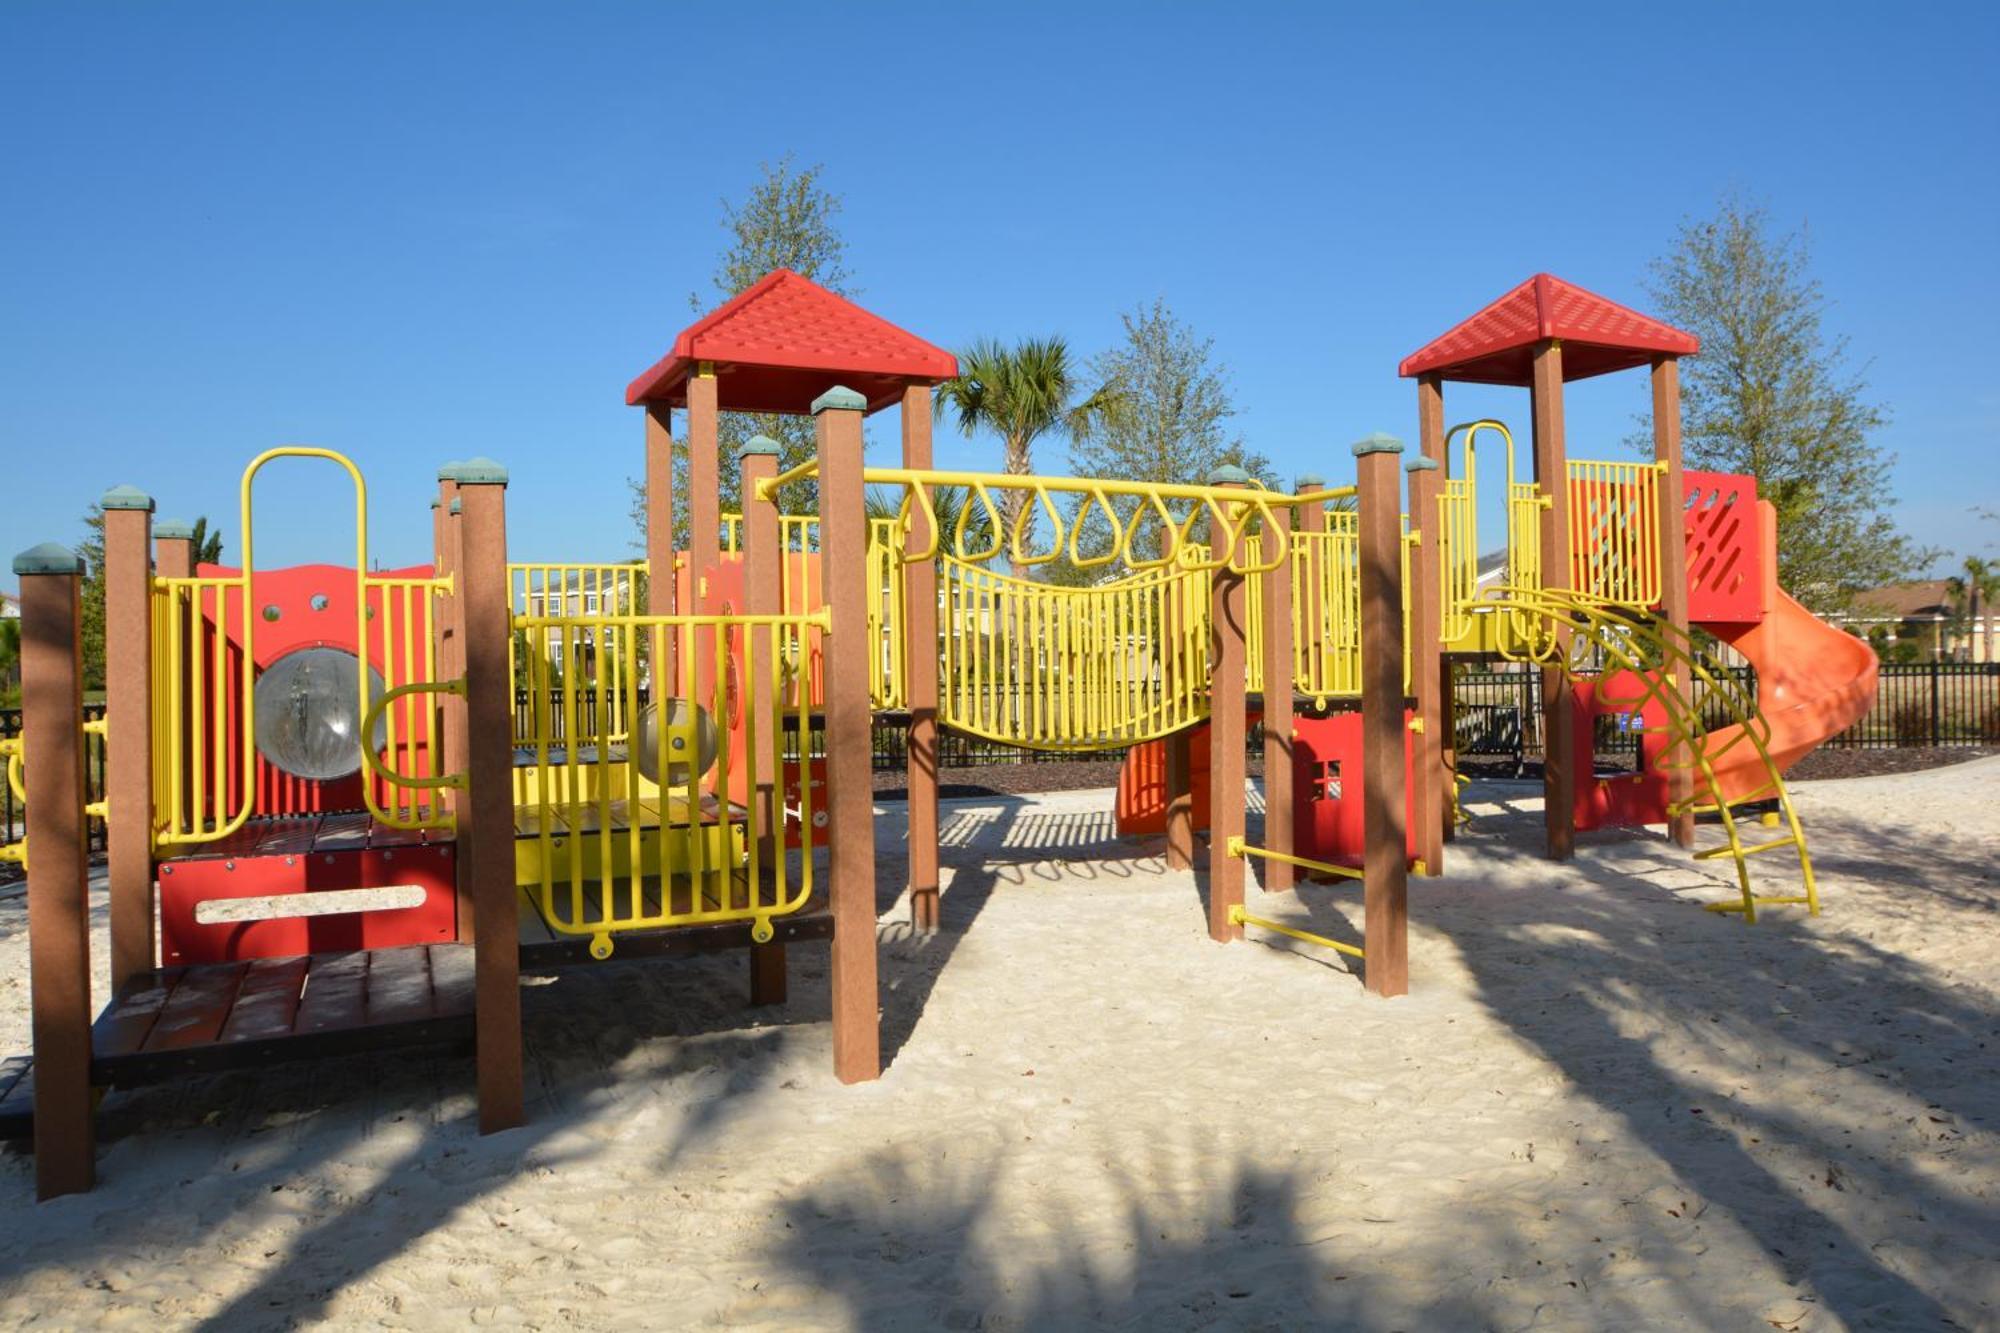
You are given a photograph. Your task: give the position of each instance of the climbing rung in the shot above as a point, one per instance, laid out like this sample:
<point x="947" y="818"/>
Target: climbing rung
<point x="1239" y="917"/>
<point x="1715" y="853"/>
<point x="1761" y="901"/>
<point x="1238" y="848"/>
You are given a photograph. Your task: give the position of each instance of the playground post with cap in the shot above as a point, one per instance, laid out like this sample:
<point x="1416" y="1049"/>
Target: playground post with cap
<point x="58" y="866"/>
<point x="486" y="838"/>
<point x="662" y="591"/>
<point x="762" y="596"/>
<point x="449" y="633"/>
<point x="850" y="799"/>
<point x="128" y="713"/>
<point x="1277" y="651"/>
<point x="1545" y="392"/>
<point x="1384" y="786"/>
<point x="920" y="635"/>
<point x="1227" y="720"/>
<point x="1666" y="386"/>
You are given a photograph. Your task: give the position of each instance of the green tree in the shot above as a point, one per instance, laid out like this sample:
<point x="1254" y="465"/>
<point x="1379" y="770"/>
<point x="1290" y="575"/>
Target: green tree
<point x="1021" y="393"/>
<point x="1770" y="394"/>
<point x="1973" y="591"/>
<point x="207" y="550"/>
<point x="788" y="220"/>
<point x="10" y="662"/>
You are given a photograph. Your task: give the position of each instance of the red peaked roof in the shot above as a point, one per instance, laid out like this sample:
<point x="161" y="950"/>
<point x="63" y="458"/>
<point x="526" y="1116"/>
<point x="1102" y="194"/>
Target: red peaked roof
<point x="1598" y="336"/>
<point x="784" y="342"/>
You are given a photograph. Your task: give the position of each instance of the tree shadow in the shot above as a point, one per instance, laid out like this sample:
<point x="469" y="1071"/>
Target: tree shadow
<point x="1597" y="979"/>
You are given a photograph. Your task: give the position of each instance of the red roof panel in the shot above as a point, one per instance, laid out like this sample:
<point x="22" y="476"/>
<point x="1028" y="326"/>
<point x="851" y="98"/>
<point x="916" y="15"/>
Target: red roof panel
<point x="786" y="340"/>
<point x="1496" y="346"/>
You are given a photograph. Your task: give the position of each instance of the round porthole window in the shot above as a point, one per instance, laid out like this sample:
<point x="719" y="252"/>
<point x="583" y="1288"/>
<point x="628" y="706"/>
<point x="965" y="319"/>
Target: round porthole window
<point x="308" y="710"/>
<point x="272" y="612"/>
<point x="319" y="602"/>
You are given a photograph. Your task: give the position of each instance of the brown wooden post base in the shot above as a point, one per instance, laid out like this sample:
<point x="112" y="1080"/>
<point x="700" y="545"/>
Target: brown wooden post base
<point x="850" y="796"/>
<point x="58" y="897"/>
<point x="1384" y="782"/>
<point x="1180" y="801"/>
<point x="767" y="974"/>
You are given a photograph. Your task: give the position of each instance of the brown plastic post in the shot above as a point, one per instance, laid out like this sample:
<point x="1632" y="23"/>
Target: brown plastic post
<point x="1228" y="724"/>
<point x="660" y="591"/>
<point x="762" y="594"/>
<point x="704" y="501"/>
<point x="1180" y="799"/>
<point x="128" y="712"/>
<point x="920" y="640"/>
<point x="449" y="631"/>
<point x="1384" y="789"/>
<point x="850" y="797"/>
<point x="1674" y="570"/>
<point x="486" y="838"/>
<point x="58" y="860"/>
<point x="1428" y="677"/>
<point x="1277" y="651"/>
<point x="1558" y="721"/>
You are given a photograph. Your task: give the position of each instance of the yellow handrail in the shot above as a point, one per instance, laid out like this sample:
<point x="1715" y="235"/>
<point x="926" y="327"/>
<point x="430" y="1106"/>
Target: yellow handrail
<point x="451" y="781"/>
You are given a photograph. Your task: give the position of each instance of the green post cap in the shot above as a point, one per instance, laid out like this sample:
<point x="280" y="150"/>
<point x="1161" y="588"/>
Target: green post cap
<point x="758" y="445"/>
<point x="839" y="398"/>
<point x="126" y="497"/>
<point x="1421" y="464"/>
<point x="1229" y="475"/>
<point x="173" y="530"/>
<point x="48" y="558"/>
<point x="480" y="471"/>
<point x="457" y="506"/>
<point x="449" y="472"/>
<point x="1309" y="482"/>
<point x="1377" y="443"/>
<point x="434" y="502"/>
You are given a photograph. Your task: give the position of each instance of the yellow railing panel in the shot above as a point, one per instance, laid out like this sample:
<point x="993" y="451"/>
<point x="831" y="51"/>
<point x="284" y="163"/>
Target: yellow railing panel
<point x="1614" y="531"/>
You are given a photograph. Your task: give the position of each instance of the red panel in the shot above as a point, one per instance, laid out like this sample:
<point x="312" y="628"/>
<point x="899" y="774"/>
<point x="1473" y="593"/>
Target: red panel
<point x="1637" y="798"/>
<point x="185" y="883"/>
<point x="395" y="649"/>
<point x="1725" y="550"/>
<point x="1326" y="789"/>
<point x="1141" y="805"/>
<point x="786" y="340"/>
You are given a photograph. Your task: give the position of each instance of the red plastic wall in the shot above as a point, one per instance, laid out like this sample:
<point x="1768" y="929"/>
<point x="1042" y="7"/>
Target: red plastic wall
<point x="1725" y="552"/>
<point x="1326" y="788"/>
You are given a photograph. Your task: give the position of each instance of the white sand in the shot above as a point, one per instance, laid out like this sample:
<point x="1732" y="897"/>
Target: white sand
<point x="1601" y="1107"/>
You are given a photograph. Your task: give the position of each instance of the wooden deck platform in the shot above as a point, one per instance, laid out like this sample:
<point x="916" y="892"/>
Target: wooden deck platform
<point x="306" y="835"/>
<point x="191" y="1020"/>
<point x="591" y="816"/>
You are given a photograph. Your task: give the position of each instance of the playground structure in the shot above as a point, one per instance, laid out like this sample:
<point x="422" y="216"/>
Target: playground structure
<point x="367" y="800"/>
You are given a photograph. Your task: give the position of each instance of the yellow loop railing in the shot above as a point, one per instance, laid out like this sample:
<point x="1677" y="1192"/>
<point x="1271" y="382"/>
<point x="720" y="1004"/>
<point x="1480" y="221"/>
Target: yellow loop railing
<point x="438" y="816"/>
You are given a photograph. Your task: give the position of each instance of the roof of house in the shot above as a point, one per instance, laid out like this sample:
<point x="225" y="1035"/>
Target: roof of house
<point x="1496" y="345"/>
<point x="1924" y="597"/>
<point x="786" y="340"/>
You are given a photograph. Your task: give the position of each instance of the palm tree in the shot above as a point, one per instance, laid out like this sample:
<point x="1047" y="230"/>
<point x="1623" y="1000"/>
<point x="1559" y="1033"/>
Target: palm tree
<point x="1973" y="592"/>
<point x="207" y="544"/>
<point x="1020" y="394"/>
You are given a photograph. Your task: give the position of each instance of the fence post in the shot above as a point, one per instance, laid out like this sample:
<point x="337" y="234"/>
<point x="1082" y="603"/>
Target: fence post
<point x="1937" y="710"/>
<point x="1227" y="721"/>
<point x="1384" y="770"/>
<point x="761" y="596"/>
<point x="58" y="897"/>
<point x="486" y="838"/>
<point x="128" y="712"/>
<point x="850" y="798"/>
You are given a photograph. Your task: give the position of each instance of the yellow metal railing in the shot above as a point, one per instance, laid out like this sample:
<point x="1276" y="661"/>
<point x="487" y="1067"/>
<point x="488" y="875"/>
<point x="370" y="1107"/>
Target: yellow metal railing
<point x="1658" y="656"/>
<point x="1614" y="531"/>
<point x="1056" y="668"/>
<point x="204" y="697"/>
<point x="588" y="591"/>
<point x="1326" y="610"/>
<point x="684" y="821"/>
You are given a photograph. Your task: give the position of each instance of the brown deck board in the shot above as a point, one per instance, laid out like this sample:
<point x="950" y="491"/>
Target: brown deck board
<point x="336" y="993"/>
<point x="126" y="1022"/>
<point x="290" y="835"/>
<point x="194" y="1013"/>
<point x="268" y="1001"/>
<point x="451" y="980"/>
<point x="399" y="985"/>
<point x="343" y="831"/>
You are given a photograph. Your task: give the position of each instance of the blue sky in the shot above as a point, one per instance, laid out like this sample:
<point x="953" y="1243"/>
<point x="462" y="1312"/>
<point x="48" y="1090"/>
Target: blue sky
<point x="419" y="232"/>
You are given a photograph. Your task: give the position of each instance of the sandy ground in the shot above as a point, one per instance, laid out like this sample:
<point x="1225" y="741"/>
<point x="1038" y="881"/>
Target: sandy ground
<point x="1601" y="1107"/>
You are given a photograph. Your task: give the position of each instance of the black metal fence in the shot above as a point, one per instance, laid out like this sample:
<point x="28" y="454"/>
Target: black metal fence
<point x="1500" y="713"/>
<point x="1930" y="703"/>
<point x="13" y="814"/>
